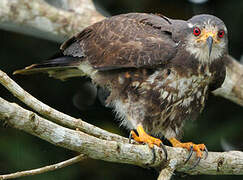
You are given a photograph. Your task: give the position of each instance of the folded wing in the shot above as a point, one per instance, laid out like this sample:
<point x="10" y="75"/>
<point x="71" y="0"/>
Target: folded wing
<point x="134" y="40"/>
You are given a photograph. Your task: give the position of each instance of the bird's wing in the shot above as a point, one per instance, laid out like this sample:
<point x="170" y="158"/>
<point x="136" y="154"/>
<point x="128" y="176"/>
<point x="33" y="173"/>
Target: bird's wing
<point x="125" y="41"/>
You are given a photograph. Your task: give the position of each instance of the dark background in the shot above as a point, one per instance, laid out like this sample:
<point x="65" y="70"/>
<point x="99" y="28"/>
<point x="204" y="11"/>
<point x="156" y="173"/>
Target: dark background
<point x="219" y="126"/>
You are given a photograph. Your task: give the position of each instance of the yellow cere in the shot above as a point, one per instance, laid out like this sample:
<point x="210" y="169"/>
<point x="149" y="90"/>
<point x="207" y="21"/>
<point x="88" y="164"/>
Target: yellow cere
<point x="205" y="34"/>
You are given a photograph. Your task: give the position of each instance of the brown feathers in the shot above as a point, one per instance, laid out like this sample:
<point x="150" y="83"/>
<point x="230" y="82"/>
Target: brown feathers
<point x="148" y="64"/>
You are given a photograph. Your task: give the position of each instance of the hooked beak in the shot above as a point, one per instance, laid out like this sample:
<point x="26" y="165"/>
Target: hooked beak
<point x="210" y="44"/>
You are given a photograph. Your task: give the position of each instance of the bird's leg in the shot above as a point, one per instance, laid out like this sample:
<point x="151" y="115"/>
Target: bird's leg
<point x="198" y="148"/>
<point x="143" y="137"/>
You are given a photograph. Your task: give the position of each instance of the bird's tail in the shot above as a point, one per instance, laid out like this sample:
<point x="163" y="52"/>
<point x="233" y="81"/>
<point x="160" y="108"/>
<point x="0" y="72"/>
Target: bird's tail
<point x="60" y="68"/>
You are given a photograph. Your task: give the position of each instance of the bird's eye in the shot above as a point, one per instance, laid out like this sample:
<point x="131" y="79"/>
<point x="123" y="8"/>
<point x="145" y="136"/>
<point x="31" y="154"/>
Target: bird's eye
<point x="221" y="33"/>
<point x="196" y="31"/>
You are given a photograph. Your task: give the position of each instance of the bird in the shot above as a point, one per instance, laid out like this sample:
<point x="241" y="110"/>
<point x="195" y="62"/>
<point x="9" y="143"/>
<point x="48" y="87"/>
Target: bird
<point x="158" y="70"/>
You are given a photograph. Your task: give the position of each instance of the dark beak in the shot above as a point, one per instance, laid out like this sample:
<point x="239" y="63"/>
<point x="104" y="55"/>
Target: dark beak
<point x="210" y="44"/>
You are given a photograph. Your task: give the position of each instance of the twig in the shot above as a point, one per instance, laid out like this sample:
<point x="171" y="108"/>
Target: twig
<point x="53" y="114"/>
<point x="166" y="174"/>
<point x="44" y="169"/>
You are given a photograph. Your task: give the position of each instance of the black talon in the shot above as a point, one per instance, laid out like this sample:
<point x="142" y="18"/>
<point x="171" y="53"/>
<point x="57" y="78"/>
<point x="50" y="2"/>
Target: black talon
<point x="197" y="162"/>
<point x="206" y="152"/>
<point x="190" y="155"/>
<point x="164" y="149"/>
<point x="154" y="155"/>
<point x="130" y="138"/>
<point x="130" y="135"/>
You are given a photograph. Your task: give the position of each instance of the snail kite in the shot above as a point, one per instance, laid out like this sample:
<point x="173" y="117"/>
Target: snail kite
<point x="158" y="70"/>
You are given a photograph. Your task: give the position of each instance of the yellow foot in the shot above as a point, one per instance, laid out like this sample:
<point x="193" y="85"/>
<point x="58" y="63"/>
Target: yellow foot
<point x="143" y="137"/>
<point x="198" y="148"/>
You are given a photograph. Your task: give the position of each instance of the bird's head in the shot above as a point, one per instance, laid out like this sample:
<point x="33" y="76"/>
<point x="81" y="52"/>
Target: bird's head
<point x="207" y="39"/>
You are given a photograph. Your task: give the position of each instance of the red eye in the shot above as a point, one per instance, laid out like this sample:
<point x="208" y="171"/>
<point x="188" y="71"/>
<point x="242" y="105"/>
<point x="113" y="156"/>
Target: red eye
<point x="221" y="33"/>
<point x="196" y="31"/>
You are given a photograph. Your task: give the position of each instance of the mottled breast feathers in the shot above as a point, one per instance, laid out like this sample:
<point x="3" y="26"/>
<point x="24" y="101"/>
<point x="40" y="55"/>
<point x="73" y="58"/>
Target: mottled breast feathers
<point x="126" y="41"/>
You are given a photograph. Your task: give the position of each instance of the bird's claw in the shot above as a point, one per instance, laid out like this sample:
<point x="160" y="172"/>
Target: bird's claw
<point x="165" y="150"/>
<point x="191" y="147"/>
<point x="190" y="154"/>
<point x="199" y="154"/>
<point x="206" y="152"/>
<point x="154" y="155"/>
<point x="142" y="137"/>
<point x="196" y="163"/>
<point x="130" y="138"/>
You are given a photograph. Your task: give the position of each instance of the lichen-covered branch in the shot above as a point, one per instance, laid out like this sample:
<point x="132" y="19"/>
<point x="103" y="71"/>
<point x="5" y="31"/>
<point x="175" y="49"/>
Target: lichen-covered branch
<point x="113" y="151"/>
<point x="232" y="87"/>
<point x="74" y="140"/>
<point x="53" y="114"/>
<point x="40" y="19"/>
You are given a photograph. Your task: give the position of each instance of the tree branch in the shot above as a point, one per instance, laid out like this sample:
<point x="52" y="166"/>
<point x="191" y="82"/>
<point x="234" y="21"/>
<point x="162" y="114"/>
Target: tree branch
<point x="74" y="140"/>
<point x="232" y="87"/>
<point x="115" y="151"/>
<point x="166" y="173"/>
<point x="44" y="169"/>
<point x="40" y="19"/>
<point x="53" y="114"/>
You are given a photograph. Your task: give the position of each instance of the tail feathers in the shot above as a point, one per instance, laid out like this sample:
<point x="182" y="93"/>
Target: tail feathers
<point x="60" y="68"/>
